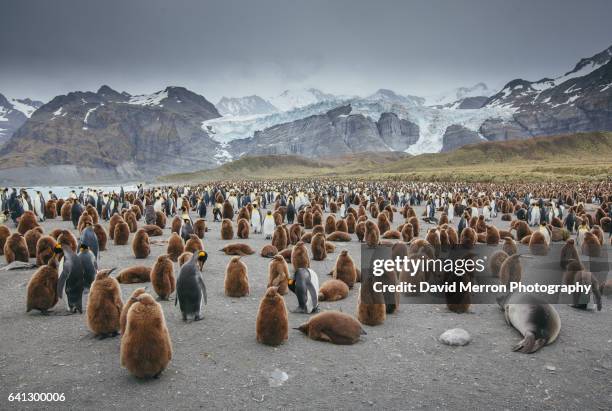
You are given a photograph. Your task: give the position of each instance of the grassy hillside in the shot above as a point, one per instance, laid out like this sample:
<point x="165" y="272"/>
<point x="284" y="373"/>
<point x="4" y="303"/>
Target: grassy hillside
<point x="576" y="157"/>
<point x="290" y="166"/>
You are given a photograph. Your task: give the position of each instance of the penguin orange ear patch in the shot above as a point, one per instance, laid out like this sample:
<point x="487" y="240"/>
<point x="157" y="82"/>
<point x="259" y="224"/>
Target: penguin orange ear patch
<point x="290" y="281"/>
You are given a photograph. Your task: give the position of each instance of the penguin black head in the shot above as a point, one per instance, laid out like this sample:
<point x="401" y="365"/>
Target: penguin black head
<point x="291" y="284"/>
<point x="83" y="247"/>
<point x="202" y="257"/>
<point x="58" y="249"/>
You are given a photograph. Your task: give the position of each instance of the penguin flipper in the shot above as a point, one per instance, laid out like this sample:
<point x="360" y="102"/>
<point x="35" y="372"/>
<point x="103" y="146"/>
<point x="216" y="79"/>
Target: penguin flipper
<point x="314" y="296"/>
<point x="203" y="288"/>
<point x="61" y="281"/>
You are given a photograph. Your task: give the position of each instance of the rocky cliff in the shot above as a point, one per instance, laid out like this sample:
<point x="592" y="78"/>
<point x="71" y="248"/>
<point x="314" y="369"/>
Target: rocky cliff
<point x="119" y="135"/>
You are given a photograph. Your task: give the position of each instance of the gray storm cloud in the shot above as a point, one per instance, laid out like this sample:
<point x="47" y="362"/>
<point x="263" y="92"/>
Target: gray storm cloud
<point x="236" y="48"/>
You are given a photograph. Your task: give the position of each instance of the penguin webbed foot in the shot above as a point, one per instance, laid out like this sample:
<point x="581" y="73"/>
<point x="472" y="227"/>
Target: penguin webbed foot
<point x="299" y="310"/>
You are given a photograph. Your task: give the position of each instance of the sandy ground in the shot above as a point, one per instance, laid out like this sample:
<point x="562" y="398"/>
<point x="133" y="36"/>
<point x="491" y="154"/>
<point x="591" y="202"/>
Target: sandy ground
<point x="218" y="364"/>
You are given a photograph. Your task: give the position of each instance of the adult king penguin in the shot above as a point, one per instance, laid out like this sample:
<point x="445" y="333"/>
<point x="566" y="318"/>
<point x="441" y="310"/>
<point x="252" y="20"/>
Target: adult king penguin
<point x="190" y="287"/>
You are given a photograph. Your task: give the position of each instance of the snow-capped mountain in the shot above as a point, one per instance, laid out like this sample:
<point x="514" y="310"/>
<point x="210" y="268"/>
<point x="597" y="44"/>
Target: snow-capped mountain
<point x="107" y="135"/>
<point x="450" y="97"/>
<point x="13" y="113"/>
<point x="578" y="100"/>
<point x="389" y="96"/>
<point x="292" y="99"/>
<point x="244" y="106"/>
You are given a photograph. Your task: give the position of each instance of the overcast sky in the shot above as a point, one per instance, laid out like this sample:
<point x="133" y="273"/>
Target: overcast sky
<point x="235" y="48"/>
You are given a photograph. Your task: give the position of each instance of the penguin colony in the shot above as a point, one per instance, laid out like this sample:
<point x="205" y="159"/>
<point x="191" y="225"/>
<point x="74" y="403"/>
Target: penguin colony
<point x="69" y="264"/>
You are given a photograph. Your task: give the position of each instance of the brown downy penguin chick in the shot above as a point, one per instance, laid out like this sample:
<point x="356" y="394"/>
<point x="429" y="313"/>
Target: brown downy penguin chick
<point x="334" y="327"/>
<point x="495" y="262"/>
<point x="175" y="247"/>
<point x="199" y="227"/>
<point x="243" y="229"/>
<point x="481" y="225"/>
<point x="389" y="278"/>
<point x="299" y="256"/>
<point x="344" y="269"/>
<point x="307" y="238"/>
<point x="104" y="305"/>
<point x="238" y="249"/>
<point x="137" y="213"/>
<point x="126" y="307"/>
<point x="162" y="277"/>
<point x="101" y="235"/>
<point x="372" y="234"/>
<point x="522" y="229"/>
<point x="66" y="209"/>
<point x="84" y="220"/>
<point x="152" y="230"/>
<point x="339" y="236"/>
<point x="453" y="237"/>
<point x="308" y="223"/>
<point x="279" y="238"/>
<point x="525" y="240"/>
<point x="295" y="233"/>
<point x="140" y="244"/>
<point x="590" y="245"/>
<point x="392" y="235"/>
<point x="122" y="233"/>
<point x="236" y="282"/>
<point x="537" y="244"/>
<point x="32" y="236"/>
<point x="414" y="222"/>
<point x="93" y="213"/>
<point x="330" y="224"/>
<point x="16" y="249"/>
<point x="184" y="258"/>
<point x="511" y="270"/>
<point x="569" y="252"/>
<point x="351" y="222"/>
<point x="317" y="218"/>
<point x="433" y="238"/>
<point x="278" y="274"/>
<point x="407" y="232"/>
<point x="51" y="210"/>
<point x="492" y="235"/>
<point x="360" y="230"/>
<point x="468" y="238"/>
<point x="596" y="230"/>
<point x="5" y="233"/>
<point x="44" y="250"/>
<point x="133" y="275"/>
<point x="577" y="274"/>
<point x="42" y="288"/>
<point x="227" y="229"/>
<point x="272" y="324"/>
<point x="194" y="244"/>
<point x="116" y="218"/>
<point x="371" y="308"/>
<point x="175" y="227"/>
<point x="286" y="253"/>
<point x="160" y="219"/>
<point x="27" y="221"/>
<point x="318" y="249"/>
<point x="146" y="348"/>
<point x="228" y="210"/>
<point x="333" y="290"/>
<point x="66" y="238"/>
<point x="341" y="226"/>
<point x="510" y="246"/>
<point x="383" y="223"/>
<point x="268" y="251"/>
